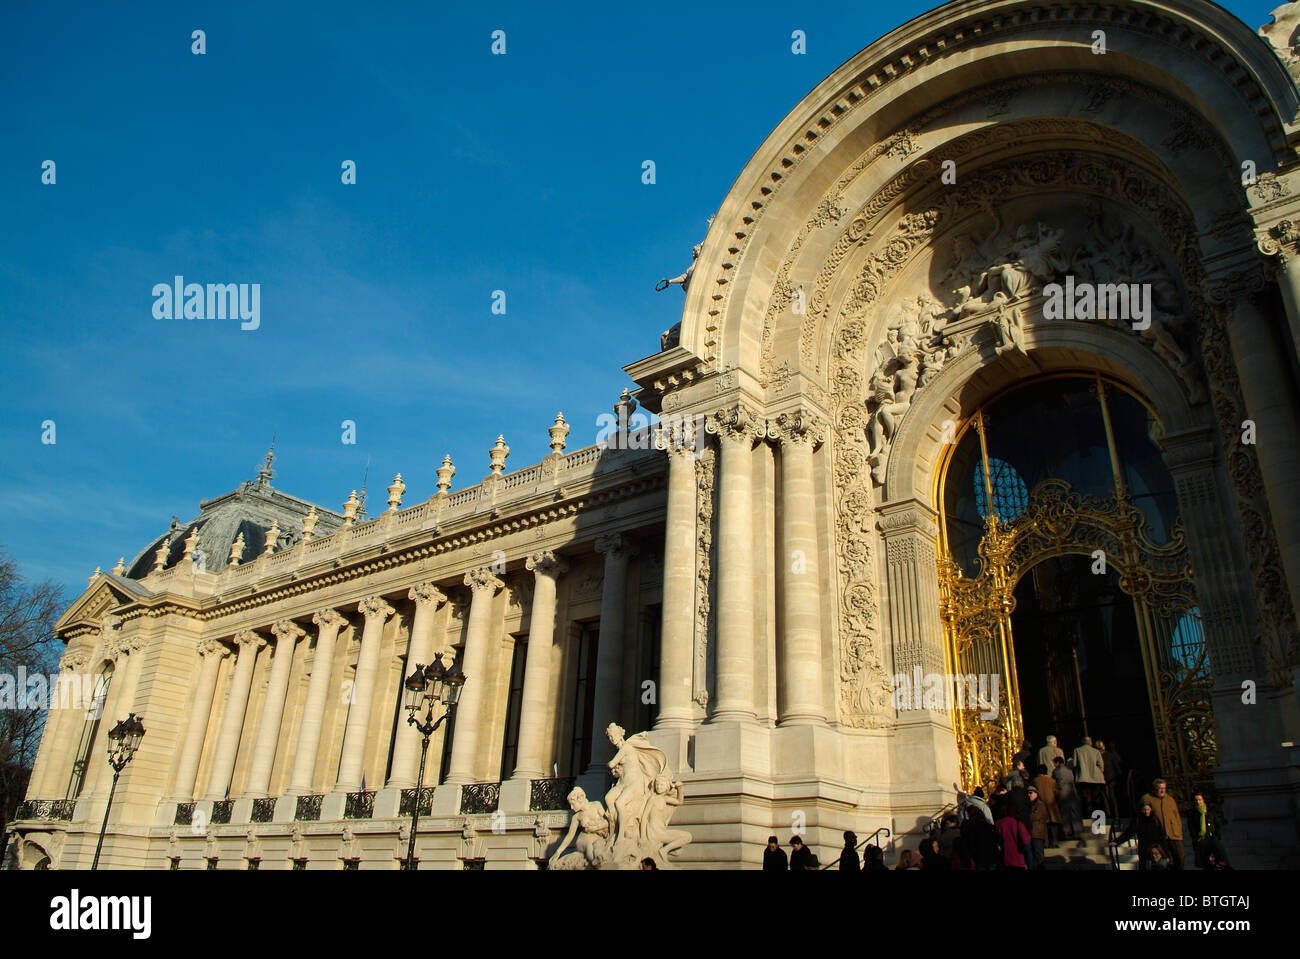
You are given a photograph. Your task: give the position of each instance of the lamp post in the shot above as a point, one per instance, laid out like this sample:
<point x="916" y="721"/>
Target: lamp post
<point x="123" y="741"/>
<point x="425" y="688"/>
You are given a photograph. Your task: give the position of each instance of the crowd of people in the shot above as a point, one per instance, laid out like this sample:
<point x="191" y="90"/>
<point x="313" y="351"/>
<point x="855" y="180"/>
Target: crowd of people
<point x="1028" y="815"/>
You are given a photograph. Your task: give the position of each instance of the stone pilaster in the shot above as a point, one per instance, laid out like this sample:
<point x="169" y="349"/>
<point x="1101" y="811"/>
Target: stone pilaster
<point x="352" y="759"/>
<point x="287" y="634"/>
<point x="67" y="712"/>
<point x="469" y="714"/>
<point x="127" y="656"/>
<point x="735" y="427"/>
<point x="1282" y="240"/>
<point x="677" y="634"/>
<point x="536" y="704"/>
<point x="328" y="623"/>
<point x="187" y="768"/>
<point x="617" y="550"/>
<point x="801" y="676"/>
<point x="406" y="750"/>
<point x="232" y="721"/>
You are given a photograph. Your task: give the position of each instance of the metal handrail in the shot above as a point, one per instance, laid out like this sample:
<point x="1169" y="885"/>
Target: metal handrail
<point x="865" y="842"/>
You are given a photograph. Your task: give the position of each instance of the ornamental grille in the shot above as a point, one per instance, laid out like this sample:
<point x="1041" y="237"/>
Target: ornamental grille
<point x="308" y="808"/>
<point x="480" y="797"/>
<point x="550" y="793"/>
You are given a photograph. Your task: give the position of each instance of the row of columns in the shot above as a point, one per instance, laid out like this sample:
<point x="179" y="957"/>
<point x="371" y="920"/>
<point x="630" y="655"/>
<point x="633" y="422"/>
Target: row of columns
<point x="801" y="667"/>
<point x="375" y="611"/>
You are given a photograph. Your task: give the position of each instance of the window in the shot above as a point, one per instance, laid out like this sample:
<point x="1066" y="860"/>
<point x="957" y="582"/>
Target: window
<point x="648" y="664"/>
<point x="88" y="730"/>
<point x="514" y="707"/>
<point x="584" y="696"/>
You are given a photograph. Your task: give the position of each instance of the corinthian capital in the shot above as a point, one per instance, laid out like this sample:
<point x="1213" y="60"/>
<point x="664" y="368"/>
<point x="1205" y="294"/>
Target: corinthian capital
<point x="482" y="578"/>
<point x="328" y="619"/>
<point x="797" y="426"/>
<point x="546" y="563"/>
<point x="287" y="632"/>
<point x="72" y="662"/>
<point x="374" y="606"/>
<point x="616" y="544"/>
<point x="1282" y="240"/>
<point x="212" y="647"/>
<point x="425" y="593"/>
<point x="247" y="638"/>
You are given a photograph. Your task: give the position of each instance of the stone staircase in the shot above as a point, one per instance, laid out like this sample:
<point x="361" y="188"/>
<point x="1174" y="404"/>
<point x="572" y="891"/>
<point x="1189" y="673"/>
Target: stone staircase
<point x="1089" y="851"/>
<point x="1244" y="852"/>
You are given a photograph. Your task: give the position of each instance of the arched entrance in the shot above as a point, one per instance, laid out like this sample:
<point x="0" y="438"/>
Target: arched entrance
<point x="1063" y="571"/>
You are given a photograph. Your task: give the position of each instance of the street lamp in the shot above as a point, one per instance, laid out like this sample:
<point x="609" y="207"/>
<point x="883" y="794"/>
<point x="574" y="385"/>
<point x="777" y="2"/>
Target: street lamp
<point x="123" y="741"/>
<point x="425" y="688"/>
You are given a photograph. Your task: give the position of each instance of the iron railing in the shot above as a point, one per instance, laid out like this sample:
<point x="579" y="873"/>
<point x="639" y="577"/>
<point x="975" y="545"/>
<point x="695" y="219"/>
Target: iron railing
<point x="184" y="814"/>
<point x="550" y="794"/>
<point x="58" y="810"/>
<point x="479" y="797"/>
<point x="308" y="808"/>
<point x="360" y="805"/>
<point x="263" y="810"/>
<point x="221" y="810"/>
<point x="407" y="804"/>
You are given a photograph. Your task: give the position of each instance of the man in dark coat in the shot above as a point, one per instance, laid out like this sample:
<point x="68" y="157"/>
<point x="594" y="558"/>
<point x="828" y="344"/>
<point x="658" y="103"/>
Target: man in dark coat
<point x="1205" y="826"/>
<point x="801" y="857"/>
<point x="980" y="838"/>
<point x="1067" y="796"/>
<point x="849" y="856"/>
<point x="1112" y="770"/>
<point x="774" y="856"/>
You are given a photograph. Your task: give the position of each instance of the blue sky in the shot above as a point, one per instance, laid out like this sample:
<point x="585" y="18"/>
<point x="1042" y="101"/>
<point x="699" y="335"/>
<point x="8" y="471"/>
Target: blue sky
<point x="474" y="173"/>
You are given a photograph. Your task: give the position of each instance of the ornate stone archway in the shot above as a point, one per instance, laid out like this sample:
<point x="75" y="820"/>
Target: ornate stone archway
<point x="878" y="269"/>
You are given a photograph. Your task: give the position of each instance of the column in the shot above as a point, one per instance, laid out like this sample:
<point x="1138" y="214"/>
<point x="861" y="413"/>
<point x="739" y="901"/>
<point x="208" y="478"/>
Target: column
<point x="617" y="550"/>
<point x="65" y="713"/>
<point x="187" y="769"/>
<point x="1266" y="388"/>
<point x="376" y="612"/>
<point x="469" y="714"/>
<point x="287" y="634"/>
<point x="421" y="650"/>
<point x="328" y="623"/>
<point x="677" y="633"/>
<point x="1283" y="241"/>
<point x="232" y="722"/>
<point x="801" y="676"/>
<point x="121" y="693"/>
<point x="536" y="702"/>
<point x="735" y="658"/>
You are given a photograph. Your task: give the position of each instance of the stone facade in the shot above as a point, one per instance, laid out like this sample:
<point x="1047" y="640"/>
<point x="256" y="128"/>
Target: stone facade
<point x="876" y="273"/>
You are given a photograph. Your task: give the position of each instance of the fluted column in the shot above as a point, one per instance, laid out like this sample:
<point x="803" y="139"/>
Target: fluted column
<point x="1283" y="241"/>
<point x="232" y="722"/>
<point x="121" y="696"/>
<point x="912" y="577"/>
<point x="406" y="751"/>
<point x="801" y="675"/>
<point x="287" y="633"/>
<point x="187" y="769"/>
<point x="735" y="659"/>
<point x="328" y="623"/>
<point x="469" y="714"/>
<point x="376" y="612"/>
<point x="67" y="712"/>
<point x="617" y="549"/>
<point x="677" y="630"/>
<point x="536" y="703"/>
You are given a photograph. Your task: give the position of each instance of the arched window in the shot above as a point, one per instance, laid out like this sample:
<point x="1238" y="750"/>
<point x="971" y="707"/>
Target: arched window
<point x="1091" y="433"/>
<point x="88" y="730"/>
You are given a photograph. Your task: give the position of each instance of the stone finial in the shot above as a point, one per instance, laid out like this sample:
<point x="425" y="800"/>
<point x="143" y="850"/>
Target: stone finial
<point x="625" y="406"/>
<point x="350" y="509"/>
<point x="267" y="471"/>
<point x="237" y="550"/>
<point x="160" y="555"/>
<point x="94" y="576"/>
<point x="445" y="472"/>
<point x="120" y="568"/>
<point x="191" y="543"/>
<point x="272" y="535"/>
<point x="558" y="432"/>
<point x="395" y="492"/>
<point x="498" y="454"/>
<point x="309" y="525"/>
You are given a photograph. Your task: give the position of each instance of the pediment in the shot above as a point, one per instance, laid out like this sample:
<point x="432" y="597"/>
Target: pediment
<point x="107" y="594"/>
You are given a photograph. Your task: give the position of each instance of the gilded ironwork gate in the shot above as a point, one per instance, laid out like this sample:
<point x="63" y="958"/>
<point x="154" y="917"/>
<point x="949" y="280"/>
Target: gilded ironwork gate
<point x="1058" y="521"/>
